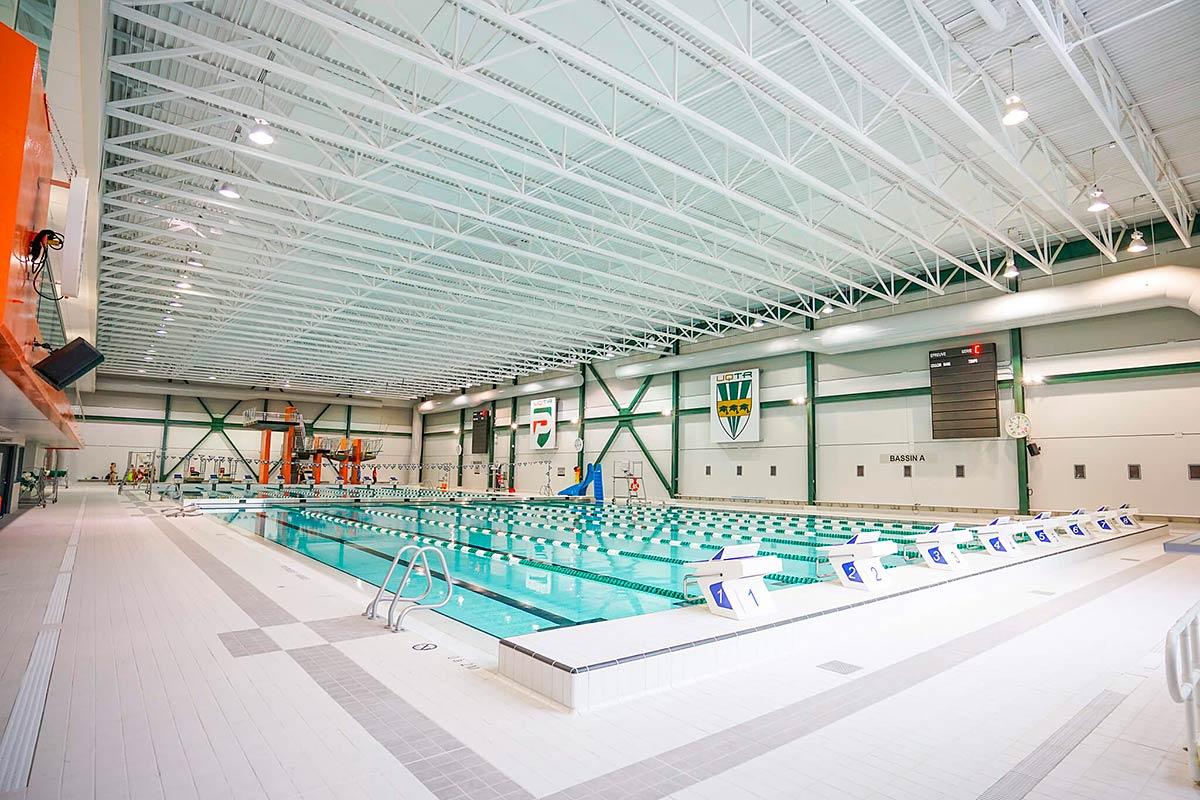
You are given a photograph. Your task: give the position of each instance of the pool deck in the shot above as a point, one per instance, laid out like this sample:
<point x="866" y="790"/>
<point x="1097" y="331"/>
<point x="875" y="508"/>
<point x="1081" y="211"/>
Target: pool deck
<point x="193" y="662"/>
<point x="612" y="661"/>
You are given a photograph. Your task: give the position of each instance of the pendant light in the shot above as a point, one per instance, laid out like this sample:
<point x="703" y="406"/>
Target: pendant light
<point x="1014" y="108"/>
<point x="1010" y="266"/>
<point x="1097" y="201"/>
<point x="1137" y="242"/>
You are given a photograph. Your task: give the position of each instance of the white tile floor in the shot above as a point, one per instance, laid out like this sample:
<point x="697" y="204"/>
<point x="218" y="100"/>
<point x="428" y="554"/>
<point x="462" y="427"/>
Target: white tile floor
<point x="147" y="701"/>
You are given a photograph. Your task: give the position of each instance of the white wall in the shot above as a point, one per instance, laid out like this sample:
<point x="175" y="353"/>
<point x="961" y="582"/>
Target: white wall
<point x="1103" y="424"/>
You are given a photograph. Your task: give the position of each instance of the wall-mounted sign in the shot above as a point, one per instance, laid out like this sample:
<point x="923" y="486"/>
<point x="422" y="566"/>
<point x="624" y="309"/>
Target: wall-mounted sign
<point x="481" y="431"/>
<point x="964" y="400"/>
<point x="908" y="457"/>
<point x="543" y="423"/>
<point x="735" y="406"/>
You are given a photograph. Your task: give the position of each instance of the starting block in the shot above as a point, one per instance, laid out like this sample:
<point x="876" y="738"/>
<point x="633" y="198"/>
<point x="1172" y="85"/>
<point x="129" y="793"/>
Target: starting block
<point x="857" y="563"/>
<point x="939" y="546"/>
<point x="1127" y="518"/>
<point x="1078" y="522"/>
<point x="732" y="581"/>
<point x="997" y="536"/>
<point x="1109" y="519"/>
<point x="1041" y="529"/>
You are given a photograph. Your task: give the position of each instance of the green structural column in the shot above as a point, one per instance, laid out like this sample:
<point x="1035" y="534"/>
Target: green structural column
<point x="512" y="442"/>
<point x="810" y="416"/>
<point x="349" y="413"/>
<point x="580" y="413"/>
<point x="491" y="454"/>
<point x="162" y="452"/>
<point x="462" y="431"/>
<point x="1018" y="390"/>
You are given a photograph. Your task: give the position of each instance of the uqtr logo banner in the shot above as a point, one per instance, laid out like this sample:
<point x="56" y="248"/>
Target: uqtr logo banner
<point x="543" y="423"/>
<point x="734" y="403"/>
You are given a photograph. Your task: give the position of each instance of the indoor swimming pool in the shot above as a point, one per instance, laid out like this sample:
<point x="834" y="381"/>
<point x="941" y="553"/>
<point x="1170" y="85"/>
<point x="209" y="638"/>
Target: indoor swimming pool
<point x="525" y="566"/>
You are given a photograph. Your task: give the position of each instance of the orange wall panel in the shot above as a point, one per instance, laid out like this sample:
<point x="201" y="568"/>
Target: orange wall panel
<point x="26" y="169"/>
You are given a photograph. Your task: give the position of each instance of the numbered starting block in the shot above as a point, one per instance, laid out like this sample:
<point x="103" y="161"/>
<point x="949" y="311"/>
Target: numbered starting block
<point x="1041" y="529"/>
<point x="939" y="547"/>
<point x="732" y="581"/>
<point x="1109" y="519"/>
<point x="858" y="563"/>
<point x="1127" y="517"/>
<point x="997" y="537"/>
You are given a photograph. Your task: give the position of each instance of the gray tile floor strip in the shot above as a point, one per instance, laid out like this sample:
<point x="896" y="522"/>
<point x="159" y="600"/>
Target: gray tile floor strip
<point x="260" y="608"/>
<point x="446" y="766"/>
<point x="19" y="740"/>
<point x="689" y="764"/>
<point x="21" y="734"/>
<point x="1021" y="779"/>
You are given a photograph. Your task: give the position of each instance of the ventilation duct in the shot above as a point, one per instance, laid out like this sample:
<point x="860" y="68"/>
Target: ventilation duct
<point x="210" y="392"/>
<point x="503" y="393"/>
<point x="1159" y="287"/>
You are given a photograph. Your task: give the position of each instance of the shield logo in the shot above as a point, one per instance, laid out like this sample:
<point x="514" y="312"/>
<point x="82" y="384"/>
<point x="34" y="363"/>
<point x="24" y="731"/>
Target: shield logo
<point x="734" y="404"/>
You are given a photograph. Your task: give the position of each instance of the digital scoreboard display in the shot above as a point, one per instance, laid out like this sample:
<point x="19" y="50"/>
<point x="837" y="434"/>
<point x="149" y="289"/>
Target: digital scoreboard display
<point x="481" y="431"/>
<point x="964" y="396"/>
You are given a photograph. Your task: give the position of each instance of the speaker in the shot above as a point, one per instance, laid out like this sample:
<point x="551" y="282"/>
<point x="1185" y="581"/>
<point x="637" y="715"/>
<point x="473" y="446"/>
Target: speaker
<point x="1033" y="448"/>
<point x="68" y="363"/>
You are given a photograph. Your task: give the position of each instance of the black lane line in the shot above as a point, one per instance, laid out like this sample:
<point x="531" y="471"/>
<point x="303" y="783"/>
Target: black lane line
<point x="549" y="616"/>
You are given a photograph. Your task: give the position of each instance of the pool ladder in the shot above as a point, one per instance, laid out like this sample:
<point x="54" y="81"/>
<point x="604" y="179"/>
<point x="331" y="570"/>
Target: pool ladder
<point x="421" y="554"/>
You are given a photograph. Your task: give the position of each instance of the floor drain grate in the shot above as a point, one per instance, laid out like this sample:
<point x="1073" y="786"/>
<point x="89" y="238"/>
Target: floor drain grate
<point x="840" y="667"/>
<point x="1042" y="592"/>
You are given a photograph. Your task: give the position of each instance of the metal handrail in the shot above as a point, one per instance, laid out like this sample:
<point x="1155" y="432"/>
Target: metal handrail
<point x="416" y="604"/>
<point x="374" y="604"/>
<point x="1182" y="669"/>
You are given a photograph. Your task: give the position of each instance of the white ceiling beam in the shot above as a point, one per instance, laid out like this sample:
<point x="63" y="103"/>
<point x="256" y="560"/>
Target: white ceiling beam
<point x="1114" y="107"/>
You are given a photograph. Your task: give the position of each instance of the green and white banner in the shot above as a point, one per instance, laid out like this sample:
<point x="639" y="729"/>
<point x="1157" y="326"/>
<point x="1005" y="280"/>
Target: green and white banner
<point x="734" y="402"/>
<point x="543" y="423"/>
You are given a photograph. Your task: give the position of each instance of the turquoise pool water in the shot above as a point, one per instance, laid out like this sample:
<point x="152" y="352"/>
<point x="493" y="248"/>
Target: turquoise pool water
<point x="520" y="567"/>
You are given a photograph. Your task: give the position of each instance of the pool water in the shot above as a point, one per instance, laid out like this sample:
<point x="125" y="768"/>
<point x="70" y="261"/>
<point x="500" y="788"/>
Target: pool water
<point x="525" y="566"/>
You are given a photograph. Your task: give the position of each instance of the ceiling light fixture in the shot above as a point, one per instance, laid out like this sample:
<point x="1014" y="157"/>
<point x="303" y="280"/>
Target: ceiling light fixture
<point x="1098" y="201"/>
<point x="828" y="309"/>
<point x="260" y="133"/>
<point x="758" y="323"/>
<point x="1014" y="109"/>
<point x="175" y="304"/>
<point x="1137" y="242"/>
<point x="183" y="285"/>
<point x="226" y="189"/>
<point x="1010" y="266"/>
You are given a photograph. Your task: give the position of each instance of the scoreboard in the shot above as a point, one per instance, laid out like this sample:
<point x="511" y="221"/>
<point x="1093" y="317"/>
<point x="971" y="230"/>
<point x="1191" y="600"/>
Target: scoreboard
<point x="481" y="431"/>
<point x="964" y="395"/>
